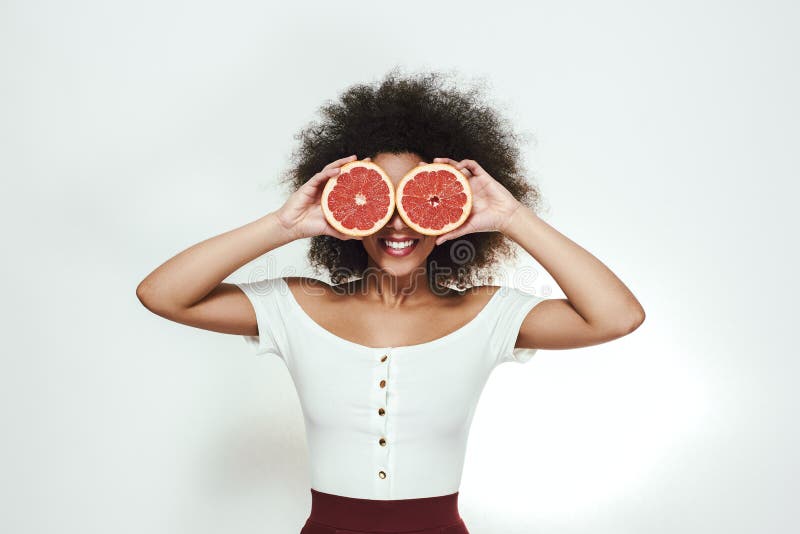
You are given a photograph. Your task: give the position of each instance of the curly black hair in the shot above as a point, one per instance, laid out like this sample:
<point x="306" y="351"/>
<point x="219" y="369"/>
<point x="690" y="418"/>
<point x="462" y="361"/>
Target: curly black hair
<point x="415" y="114"/>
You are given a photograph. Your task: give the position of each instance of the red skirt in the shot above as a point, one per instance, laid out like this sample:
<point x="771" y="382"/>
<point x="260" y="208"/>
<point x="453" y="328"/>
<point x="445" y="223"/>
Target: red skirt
<point x="334" y="514"/>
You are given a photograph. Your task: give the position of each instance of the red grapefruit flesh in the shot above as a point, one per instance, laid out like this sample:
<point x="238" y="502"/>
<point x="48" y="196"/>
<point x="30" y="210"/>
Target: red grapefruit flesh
<point x="359" y="200"/>
<point x="434" y="199"/>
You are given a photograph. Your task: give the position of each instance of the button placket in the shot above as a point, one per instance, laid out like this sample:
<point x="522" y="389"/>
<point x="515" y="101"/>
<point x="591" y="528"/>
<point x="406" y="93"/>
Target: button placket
<point x="382" y="470"/>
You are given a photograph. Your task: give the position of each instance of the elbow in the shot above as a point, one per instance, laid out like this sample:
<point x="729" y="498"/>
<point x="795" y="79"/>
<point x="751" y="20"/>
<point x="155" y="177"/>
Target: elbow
<point x="141" y="293"/>
<point x="158" y="301"/>
<point x="635" y="321"/>
<point x="624" y="324"/>
<point x="145" y="295"/>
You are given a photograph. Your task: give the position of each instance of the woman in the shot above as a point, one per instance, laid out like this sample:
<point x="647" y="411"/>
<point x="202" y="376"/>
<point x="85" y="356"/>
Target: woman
<point x="390" y="359"/>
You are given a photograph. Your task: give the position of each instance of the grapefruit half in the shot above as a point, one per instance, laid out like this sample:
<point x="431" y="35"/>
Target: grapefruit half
<point x="359" y="200"/>
<point x="434" y="198"/>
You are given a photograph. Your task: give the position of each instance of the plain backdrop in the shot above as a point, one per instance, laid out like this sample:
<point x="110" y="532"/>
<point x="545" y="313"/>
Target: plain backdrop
<point x="663" y="136"/>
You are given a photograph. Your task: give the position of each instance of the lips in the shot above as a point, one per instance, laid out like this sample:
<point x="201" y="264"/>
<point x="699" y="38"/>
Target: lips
<point x="398" y="251"/>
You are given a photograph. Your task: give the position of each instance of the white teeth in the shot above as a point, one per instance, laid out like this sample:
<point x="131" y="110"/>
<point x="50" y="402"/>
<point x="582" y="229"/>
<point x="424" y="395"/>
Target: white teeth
<point x="398" y="244"/>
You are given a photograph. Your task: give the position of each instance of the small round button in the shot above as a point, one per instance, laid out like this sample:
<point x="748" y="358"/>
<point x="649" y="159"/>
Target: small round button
<point x="381" y="411"/>
<point x="382" y="442"/>
<point x="383" y="383"/>
<point x="384" y="358"/>
<point x="381" y="474"/>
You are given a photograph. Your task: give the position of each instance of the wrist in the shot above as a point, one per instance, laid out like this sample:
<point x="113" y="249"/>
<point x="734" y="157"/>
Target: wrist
<point x="509" y="220"/>
<point x="287" y="232"/>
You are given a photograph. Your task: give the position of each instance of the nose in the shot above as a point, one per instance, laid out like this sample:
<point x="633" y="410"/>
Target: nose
<point x="397" y="222"/>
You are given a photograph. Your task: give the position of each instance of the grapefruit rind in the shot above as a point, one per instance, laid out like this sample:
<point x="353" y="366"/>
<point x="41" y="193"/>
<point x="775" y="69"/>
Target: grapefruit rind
<point x="428" y="168"/>
<point x="331" y="184"/>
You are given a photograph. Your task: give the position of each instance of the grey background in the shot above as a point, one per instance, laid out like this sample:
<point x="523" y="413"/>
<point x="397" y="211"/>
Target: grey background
<point x="664" y="138"/>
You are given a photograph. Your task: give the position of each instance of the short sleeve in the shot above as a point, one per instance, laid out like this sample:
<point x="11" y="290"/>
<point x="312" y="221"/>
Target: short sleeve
<point x="514" y="306"/>
<point x="265" y="297"/>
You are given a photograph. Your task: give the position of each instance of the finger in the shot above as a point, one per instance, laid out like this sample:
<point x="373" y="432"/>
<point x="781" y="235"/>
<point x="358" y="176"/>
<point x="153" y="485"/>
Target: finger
<point x="470" y="165"/>
<point x="323" y="175"/>
<point x="315" y="184"/>
<point x="449" y="236"/>
<point x="446" y="237"/>
<point x="340" y="162"/>
<point x="454" y="163"/>
<point x="339" y="235"/>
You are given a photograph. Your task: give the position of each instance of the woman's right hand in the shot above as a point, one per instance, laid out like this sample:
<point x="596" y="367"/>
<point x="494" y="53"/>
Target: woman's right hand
<point x="302" y="214"/>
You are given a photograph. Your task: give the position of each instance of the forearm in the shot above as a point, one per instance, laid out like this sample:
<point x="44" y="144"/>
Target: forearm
<point x="595" y="292"/>
<point x="188" y="277"/>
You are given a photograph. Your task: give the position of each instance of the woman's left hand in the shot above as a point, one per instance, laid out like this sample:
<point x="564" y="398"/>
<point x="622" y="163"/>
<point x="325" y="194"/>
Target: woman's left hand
<point x="492" y="204"/>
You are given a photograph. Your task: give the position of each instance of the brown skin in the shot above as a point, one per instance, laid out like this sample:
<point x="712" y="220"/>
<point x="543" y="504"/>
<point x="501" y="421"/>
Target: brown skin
<point x="393" y="290"/>
<point x="396" y="308"/>
<point x="406" y="278"/>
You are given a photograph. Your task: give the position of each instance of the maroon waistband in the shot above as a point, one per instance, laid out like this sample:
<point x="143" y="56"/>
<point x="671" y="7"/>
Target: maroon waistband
<point x="370" y="514"/>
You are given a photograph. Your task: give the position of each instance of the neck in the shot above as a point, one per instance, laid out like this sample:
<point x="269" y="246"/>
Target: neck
<point x="383" y="282"/>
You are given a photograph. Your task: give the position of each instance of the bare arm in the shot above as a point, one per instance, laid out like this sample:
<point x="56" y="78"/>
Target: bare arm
<point x="598" y="308"/>
<point x="188" y="287"/>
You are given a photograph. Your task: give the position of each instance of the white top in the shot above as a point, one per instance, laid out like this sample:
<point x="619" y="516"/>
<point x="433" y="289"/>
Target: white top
<point x="392" y="427"/>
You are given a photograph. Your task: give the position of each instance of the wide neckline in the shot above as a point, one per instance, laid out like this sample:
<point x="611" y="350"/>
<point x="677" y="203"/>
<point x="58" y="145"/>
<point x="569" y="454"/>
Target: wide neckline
<point x="472" y="323"/>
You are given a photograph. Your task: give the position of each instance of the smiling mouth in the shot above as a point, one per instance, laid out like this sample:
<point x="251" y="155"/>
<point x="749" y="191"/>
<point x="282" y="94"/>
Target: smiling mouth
<point x="398" y="247"/>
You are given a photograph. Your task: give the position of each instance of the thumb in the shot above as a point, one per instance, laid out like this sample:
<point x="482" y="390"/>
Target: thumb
<point x="447" y="237"/>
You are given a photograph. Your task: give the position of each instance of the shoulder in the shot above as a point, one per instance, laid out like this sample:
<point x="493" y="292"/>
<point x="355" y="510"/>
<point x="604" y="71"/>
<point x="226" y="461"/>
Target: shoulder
<point x="474" y="294"/>
<point x="507" y="290"/>
<point x="473" y="299"/>
<point x="490" y="289"/>
<point x="485" y="291"/>
<point x="304" y="288"/>
<point x="507" y="298"/>
<point x="303" y="281"/>
<point x="314" y="294"/>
